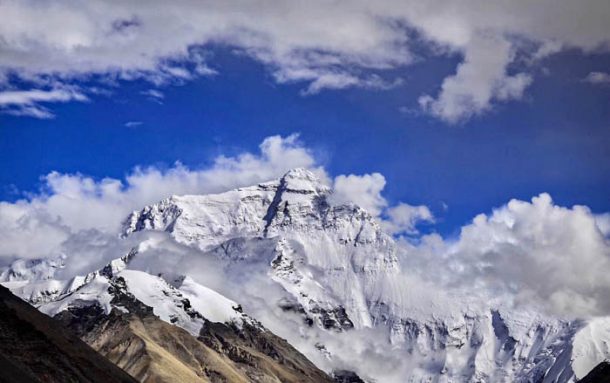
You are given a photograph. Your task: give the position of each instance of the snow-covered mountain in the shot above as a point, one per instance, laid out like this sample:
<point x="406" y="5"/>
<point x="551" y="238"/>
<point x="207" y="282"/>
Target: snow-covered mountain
<point x="326" y="277"/>
<point x="327" y="257"/>
<point x="120" y="313"/>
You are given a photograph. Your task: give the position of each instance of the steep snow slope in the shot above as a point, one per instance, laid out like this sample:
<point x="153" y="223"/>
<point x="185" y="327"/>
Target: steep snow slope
<point x="187" y="305"/>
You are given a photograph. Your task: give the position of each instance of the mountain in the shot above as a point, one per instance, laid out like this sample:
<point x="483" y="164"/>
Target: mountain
<point x="341" y="272"/>
<point x="290" y="225"/>
<point x="324" y="275"/>
<point x="34" y="348"/>
<point x="161" y="332"/>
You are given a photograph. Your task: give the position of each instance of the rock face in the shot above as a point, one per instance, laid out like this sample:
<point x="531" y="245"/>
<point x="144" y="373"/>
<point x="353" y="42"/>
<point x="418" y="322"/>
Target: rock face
<point x="33" y="348"/>
<point x="152" y="350"/>
<point x="338" y="273"/>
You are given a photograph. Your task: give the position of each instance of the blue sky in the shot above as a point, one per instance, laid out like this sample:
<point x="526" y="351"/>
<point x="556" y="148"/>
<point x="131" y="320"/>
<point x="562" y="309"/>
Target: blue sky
<point x="552" y="136"/>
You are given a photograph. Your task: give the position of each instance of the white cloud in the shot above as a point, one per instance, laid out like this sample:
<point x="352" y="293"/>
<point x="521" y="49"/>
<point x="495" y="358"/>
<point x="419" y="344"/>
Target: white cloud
<point x="603" y="223"/>
<point x="403" y="218"/>
<point x="480" y="78"/>
<point x="69" y="204"/>
<point x="323" y="44"/>
<point x="27" y="102"/>
<point x="154" y="94"/>
<point x="598" y="78"/>
<point x="535" y="253"/>
<point x="364" y="191"/>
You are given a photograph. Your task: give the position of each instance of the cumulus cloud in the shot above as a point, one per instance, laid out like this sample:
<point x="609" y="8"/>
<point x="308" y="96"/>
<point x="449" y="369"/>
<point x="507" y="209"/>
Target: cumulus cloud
<point x="480" y="78"/>
<point x="364" y="191"/>
<point x="536" y="253"/>
<point x="403" y="218"/>
<point x="603" y="223"/>
<point x="45" y="223"/>
<point x="322" y="44"/>
<point x="28" y="102"/>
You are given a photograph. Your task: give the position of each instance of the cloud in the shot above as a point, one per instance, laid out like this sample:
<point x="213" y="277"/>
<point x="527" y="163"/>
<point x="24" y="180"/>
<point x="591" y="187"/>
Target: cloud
<point x="536" y="254"/>
<point x="598" y="78"/>
<point x="481" y="78"/>
<point x="321" y="44"/>
<point x="403" y="218"/>
<point x="133" y="124"/>
<point x="27" y="102"/>
<point x="153" y="94"/>
<point x="364" y="191"/>
<point x="43" y="224"/>
<point x="603" y="223"/>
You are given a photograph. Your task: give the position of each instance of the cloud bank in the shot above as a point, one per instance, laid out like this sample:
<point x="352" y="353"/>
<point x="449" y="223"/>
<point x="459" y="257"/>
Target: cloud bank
<point x="528" y="253"/>
<point x="322" y="44"/>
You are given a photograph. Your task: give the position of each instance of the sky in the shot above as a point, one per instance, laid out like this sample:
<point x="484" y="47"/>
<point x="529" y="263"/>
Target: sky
<point x="556" y="139"/>
<point x="426" y="114"/>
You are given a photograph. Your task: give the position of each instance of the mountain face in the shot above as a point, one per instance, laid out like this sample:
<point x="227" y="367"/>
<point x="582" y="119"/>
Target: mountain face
<point x="161" y="332"/>
<point x="327" y="257"/>
<point x="323" y="275"/>
<point x="34" y="348"/>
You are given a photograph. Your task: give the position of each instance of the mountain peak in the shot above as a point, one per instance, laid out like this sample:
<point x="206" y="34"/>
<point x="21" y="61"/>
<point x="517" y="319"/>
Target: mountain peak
<point x="300" y="173"/>
<point x="301" y="179"/>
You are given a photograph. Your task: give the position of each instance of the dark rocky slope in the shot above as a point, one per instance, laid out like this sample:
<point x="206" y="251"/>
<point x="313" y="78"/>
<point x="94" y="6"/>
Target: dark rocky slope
<point x="35" y="348"/>
<point x="152" y="350"/>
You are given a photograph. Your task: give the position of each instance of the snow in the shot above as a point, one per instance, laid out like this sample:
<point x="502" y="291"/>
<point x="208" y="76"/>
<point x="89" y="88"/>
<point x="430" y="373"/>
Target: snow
<point x="591" y="346"/>
<point x="166" y="301"/>
<point x="327" y="257"/>
<point x="32" y="269"/>
<point x="41" y="291"/>
<point x="213" y="306"/>
<point x="93" y="292"/>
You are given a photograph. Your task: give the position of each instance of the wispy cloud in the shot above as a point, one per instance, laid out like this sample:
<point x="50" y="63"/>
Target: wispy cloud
<point x="598" y="78"/>
<point x="133" y="124"/>
<point x="28" y="102"/>
<point x="154" y="95"/>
